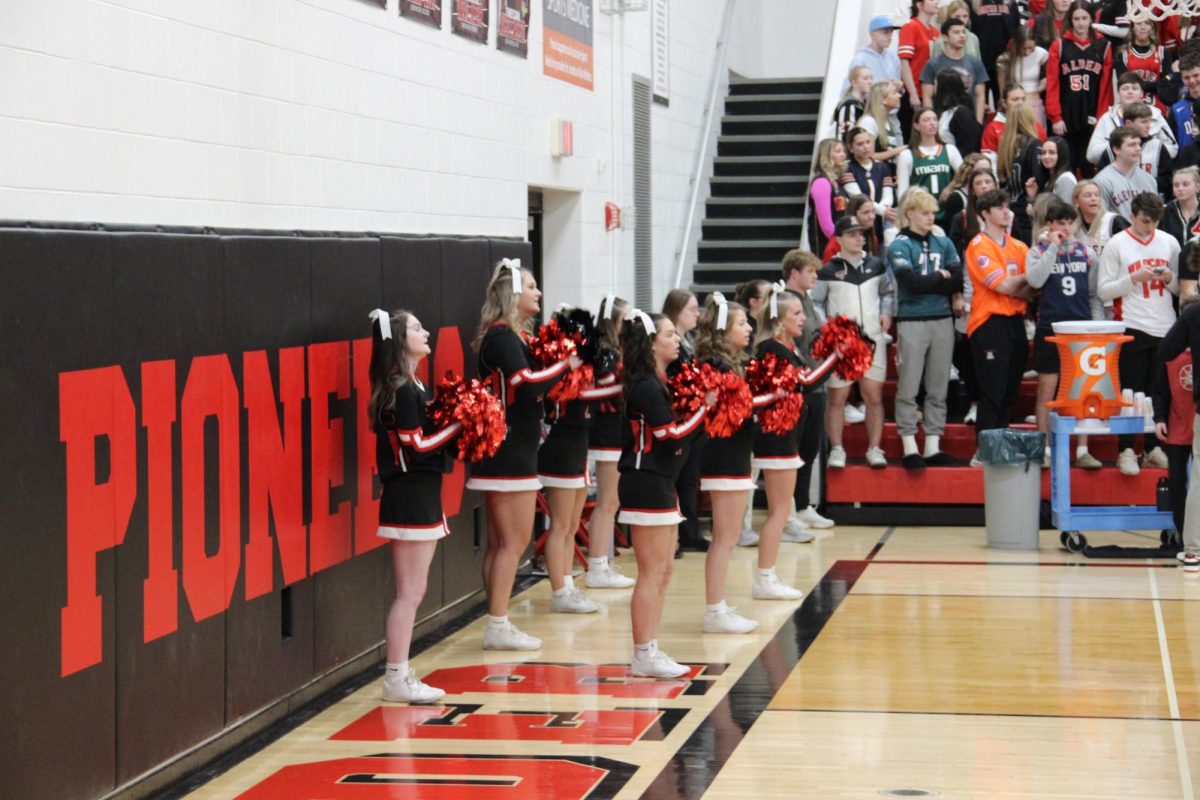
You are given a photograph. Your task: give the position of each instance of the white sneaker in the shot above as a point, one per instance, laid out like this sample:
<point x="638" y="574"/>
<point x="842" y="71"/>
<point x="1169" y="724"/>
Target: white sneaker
<point x="572" y="602"/>
<point x="507" y="637"/>
<point x="854" y="414"/>
<point x="657" y="665"/>
<point x="975" y="462"/>
<point x="1086" y="460"/>
<point x="1127" y="462"/>
<point x="1030" y="419"/>
<point x="876" y="458"/>
<point x="1046" y="458"/>
<point x="794" y="531"/>
<point x="408" y="688"/>
<point x="1155" y="458"/>
<point x="771" y="588"/>
<point x="727" y="620"/>
<point x="608" y="578"/>
<point x="969" y="418"/>
<point x="1029" y="374"/>
<point x="837" y="457"/>
<point x="748" y="538"/>
<point x="812" y="519"/>
<point x="953" y="372"/>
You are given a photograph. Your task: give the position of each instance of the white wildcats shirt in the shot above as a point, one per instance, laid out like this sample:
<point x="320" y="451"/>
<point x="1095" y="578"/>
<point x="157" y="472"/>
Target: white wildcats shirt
<point x="1146" y="307"/>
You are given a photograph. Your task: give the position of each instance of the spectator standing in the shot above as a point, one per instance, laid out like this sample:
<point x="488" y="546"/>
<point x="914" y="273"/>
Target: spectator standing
<point x="1024" y="64"/>
<point x="1184" y="336"/>
<point x="1097" y="225"/>
<point x="956" y="112"/>
<point x="1053" y="171"/>
<point x="1129" y="94"/>
<point x="871" y="178"/>
<point x="826" y="194"/>
<point x="877" y="55"/>
<point x="1183" y="115"/>
<point x="1174" y="412"/>
<point x="992" y="21"/>
<point x="915" y="38"/>
<point x="1078" y="83"/>
<point x="1013" y="95"/>
<point x="1146" y="58"/>
<point x="1017" y="162"/>
<point x="1124" y="179"/>
<point x="1049" y="23"/>
<point x="959" y="10"/>
<point x="927" y="162"/>
<point x="955" y="57"/>
<point x="877" y="118"/>
<point x="853" y="102"/>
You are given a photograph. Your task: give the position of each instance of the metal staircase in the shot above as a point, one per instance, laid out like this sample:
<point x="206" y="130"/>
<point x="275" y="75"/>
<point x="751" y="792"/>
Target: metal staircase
<point x="755" y="211"/>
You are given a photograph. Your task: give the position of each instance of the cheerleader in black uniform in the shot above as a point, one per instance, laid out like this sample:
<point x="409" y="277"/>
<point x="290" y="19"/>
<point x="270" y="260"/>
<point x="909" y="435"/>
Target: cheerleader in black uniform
<point x="780" y="323"/>
<point x="654" y="447"/>
<point x="725" y="462"/>
<point x="562" y="470"/>
<point x="509" y="479"/>
<point x="411" y="458"/>
<point x="604" y="447"/>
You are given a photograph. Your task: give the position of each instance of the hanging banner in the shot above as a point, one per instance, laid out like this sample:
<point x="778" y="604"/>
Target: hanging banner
<point x="567" y="41"/>
<point x="512" y="36"/>
<point x="427" y="11"/>
<point x="470" y="19"/>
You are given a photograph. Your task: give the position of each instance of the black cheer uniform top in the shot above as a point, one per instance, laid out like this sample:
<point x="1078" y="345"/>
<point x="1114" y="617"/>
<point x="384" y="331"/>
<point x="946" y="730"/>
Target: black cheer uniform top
<point x="505" y="360"/>
<point x="729" y="457"/>
<point x="652" y="441"/>
<point x="411" y="457"/>
<point x="773" y="445"/>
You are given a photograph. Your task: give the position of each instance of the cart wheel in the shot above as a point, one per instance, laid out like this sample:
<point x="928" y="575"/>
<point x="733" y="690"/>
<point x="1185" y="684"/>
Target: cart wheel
<point x="1075" y="542"/>
<point x="1170" y="538"/>
<point x="1062" y="538"/>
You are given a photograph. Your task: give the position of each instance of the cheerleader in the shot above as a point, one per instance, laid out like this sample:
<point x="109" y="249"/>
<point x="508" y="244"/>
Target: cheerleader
<point x="725" y="464"/>
<point x="604" y="447"/>
<point x="509" y="479"/>
<point x="411" y="458"/>
<point x="562" y="471"/>
<point x="653" y="449"/>
<point x="780" y="323"/>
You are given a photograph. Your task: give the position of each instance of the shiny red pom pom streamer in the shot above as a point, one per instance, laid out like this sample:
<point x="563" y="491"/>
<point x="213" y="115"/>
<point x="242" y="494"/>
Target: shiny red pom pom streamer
<point x="476" y="409"/>
<point x="771" y="374"/>
<point x="844" y="335"/>
<point x="733" y="404"/>
<point x="551" y="344"/>
<point x="572" y="385"/>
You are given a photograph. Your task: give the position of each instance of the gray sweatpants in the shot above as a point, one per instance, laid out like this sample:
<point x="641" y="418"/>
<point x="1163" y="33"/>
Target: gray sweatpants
<point x="1191" y="512"/>
<point x="923" y="347"/>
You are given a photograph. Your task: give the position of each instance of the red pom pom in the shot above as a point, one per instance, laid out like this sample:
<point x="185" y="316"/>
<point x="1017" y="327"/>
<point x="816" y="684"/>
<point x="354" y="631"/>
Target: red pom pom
<point x="733" y="405"/>
<point x="687" y="391"/>
<point x="768" y="375"/>
<point x="572" y="385"/>
<point x="550" y="345"/>
<point x="476" y="409"/>
<point x="842" y="334"/>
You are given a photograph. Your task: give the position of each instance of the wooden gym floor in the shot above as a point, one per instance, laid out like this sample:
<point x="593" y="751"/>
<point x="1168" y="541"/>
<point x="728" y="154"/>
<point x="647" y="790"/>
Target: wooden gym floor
<point x="919" y="660"/>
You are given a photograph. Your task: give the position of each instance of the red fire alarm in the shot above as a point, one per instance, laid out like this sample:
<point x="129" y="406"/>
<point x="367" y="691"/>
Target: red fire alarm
<point x="612" y="216"/>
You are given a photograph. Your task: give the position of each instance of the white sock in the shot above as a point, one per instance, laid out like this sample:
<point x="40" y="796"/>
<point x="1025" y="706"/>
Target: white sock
<point x="933" y="445"/>
<point x="717" y="606"/>
<point x="1081" y="450"/>
<point x="597" y="564"/>
<point x="910" y="445"/>
<point x="645" y="650"/>
<point x="492" y="620"/>
<point x="769" y="572"/>
<point x="397" y="669"/>
<point x="569" y="581"/>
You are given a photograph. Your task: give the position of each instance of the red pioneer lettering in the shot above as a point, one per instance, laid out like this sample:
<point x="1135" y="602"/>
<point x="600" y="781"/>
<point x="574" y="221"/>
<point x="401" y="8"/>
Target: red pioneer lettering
<point x="329" y="533"/>
<point x="160" y="591"/>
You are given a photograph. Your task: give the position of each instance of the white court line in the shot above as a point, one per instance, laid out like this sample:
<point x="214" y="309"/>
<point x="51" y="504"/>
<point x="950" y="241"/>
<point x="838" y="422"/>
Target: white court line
<point x="1185" y="772"/>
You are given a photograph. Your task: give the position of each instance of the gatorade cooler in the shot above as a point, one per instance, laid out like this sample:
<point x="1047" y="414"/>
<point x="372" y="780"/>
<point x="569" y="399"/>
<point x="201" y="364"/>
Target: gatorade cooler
<point x="1089" y="381"/>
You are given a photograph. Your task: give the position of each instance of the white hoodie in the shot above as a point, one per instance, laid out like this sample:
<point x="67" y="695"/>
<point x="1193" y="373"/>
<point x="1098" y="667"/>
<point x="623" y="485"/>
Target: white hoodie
<point x="1159" y="129"/>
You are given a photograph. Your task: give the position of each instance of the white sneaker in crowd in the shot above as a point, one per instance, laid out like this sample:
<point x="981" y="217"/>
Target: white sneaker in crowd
<point x="769" y="587"/>
<point x="969" y="418"/>
<point x="607" y="577"/>
<point x="727" y="620"/>
<point x="506" y="636"/>
<point x="837" y="457"/>
<point x="854" y="414"/>
<point x="876" y="458"/>
<point x="812" y="519"/>
<point x="975" y="462"/>
<point x="656" y="664"/>
<point x="1127" y="462"/>
<point x="406" y="687"/>
<point x="748" y="538"/>
<point x="794" y="531"/>
<point x="1086" y="460"/>
<point x="1155" y="458"/>
<point x="572" y="601"/>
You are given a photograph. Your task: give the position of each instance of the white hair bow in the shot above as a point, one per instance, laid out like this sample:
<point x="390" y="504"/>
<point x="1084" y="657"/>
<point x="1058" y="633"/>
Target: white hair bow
<point x="606" y="302"/>
<point x="722" y="310"/>
<point x="513" y="264"/>
<point x="776" y="288"/>
<point x="647" y="323"/>
<point x="384" y="319"/>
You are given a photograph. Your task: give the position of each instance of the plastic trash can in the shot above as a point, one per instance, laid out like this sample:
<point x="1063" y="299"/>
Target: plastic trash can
<point x="1012" y="483"/>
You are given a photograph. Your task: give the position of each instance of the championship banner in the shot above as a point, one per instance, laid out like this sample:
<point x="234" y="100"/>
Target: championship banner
<point x="513" y="34"/>
<point x="427" y="11"/>
<point x="470" y="19"/>
<point x="567" y="41"/>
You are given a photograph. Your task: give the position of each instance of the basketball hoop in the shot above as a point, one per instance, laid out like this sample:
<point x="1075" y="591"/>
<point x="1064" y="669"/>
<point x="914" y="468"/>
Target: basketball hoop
<point x="1159" y="10"/>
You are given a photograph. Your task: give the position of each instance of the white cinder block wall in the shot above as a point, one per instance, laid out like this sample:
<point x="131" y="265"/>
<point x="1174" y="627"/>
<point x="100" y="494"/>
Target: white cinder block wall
<point x="338" y="115"/>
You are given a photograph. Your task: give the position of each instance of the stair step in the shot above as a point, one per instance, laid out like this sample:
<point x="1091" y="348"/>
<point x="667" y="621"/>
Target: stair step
<point x="764" y="145"/>
<point x="743" y="252"/>
<point x="772" y="104"/>
<point x="858" y="483"/>
<point x="794" y="165"/>
<point x="757" y="185"/>
<point x="743" y="87"/>
<point x="726" y="275"/>
<point x="767" y="124"/>
<point x="715" y="230"/>
<point x="777" y="206"/>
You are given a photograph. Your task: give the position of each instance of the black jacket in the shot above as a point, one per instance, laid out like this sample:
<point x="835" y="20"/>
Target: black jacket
<point x="1184" y="333"/>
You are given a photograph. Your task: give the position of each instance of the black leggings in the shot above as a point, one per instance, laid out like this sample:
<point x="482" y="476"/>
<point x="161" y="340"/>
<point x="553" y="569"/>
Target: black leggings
<point x="1177" y="480"/>
<point x="812" y="443"/>
<point x="687" y="486"/>
<point x="1138" y="365"/>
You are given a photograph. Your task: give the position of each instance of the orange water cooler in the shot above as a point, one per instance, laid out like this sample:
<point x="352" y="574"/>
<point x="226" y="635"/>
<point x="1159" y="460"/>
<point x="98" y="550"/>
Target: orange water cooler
<point x="1089" y="379"/>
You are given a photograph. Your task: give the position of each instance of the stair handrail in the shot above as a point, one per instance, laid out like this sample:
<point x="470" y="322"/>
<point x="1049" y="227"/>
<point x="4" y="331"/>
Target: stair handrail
<point x="714" y="83"/>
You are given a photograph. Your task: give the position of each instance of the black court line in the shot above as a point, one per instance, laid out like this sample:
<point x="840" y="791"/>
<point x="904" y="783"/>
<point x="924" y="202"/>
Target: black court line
<point x="882" y="541"/>
<point x="974" y="714"/>
<point x="696" y="764"/>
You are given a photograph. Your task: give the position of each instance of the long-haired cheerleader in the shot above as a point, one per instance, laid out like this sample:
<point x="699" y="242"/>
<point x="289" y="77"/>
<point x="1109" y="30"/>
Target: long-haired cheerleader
<point x="653" y="448"/>
<point x="562" y="470"/>
<point x="411" y="458"/>
<point x="780" y="323"/>
<point x="604" y="447"/>
<point x="509" y="479"/>
<point x="725" y="462"/>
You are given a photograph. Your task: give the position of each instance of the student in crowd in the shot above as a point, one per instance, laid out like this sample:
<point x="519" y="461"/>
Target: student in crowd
<point x="862" y="210"/>
<point x="1174" y="416"/>
<point x="871" y="178"/>
<point x="992" y="22"/>
<point x="956" y="112"/>
<point x="1097" y="225"/>
<point x="1078" y="86"/>
<point x="1183" y="117"/>
<point x="1066" y="272"/>
<point x="965" y="225"/>
<point x="877" y="55"/>
<point x="953" y="199"/>
<point x="1013" y="95"/>
<point x="955" y="57"/>
<point x="683" y="310"/>
<point x="827" y="196"/>
<point x="853" y="102"/>
<point x="1124" y="179"/>
<point x="1053" y="171"/>
<point x="1184" y="336"/>
<point x="927" y="162"/>
<point x="928" y="274"/>
<point x="1145" y="57"/>
<point x="860" y="287"/>
<point x="1129" y="95"/>
<point x="959" y="10"/>
<point x="1050" y="23"/>
<point x="1023" y="64"/>
<point x="996" y="329"/>
<point x="1181" y="217"/>
<point x="1017" y="161"/>
<point x="913" y="50"/>
<point x="878" y="119"/>
<point x="1137" y="273"/>
<point x="751" y="295"/>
